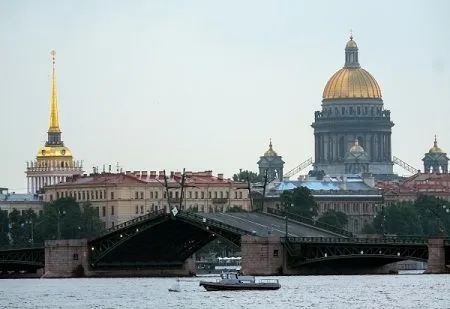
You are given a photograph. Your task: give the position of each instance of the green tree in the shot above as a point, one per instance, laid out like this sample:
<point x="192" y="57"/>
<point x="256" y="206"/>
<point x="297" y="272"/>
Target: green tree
<point x="4" y="228"/>
<point x="334" y="218"/>
<point x="398" y="219"/>
<point x="248" y="175"/>
<point x="299" y="201"/>
<point x="434" y="215"/>
<point x="66" y="219"/>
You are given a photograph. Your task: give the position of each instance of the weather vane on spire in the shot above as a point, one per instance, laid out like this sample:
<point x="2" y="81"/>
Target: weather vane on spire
<point x="53" y="53"/>
<point x="351" y="34"/>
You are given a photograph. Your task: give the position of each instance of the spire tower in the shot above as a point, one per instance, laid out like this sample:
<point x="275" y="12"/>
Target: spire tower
<point x="54" y="132"/>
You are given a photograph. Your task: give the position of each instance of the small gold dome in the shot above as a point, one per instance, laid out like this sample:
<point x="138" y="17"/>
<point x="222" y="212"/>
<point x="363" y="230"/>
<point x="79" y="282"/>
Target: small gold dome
<point x="351" y="43"/>
<point x="54" y="152"/>
<point x="352" y="83"/>
<point x="356" y="147"/>
<point x="270" y="152"/>
<point x="435" y="148"/>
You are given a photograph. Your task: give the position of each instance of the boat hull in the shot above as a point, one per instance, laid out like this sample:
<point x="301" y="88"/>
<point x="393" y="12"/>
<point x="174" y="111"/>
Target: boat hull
<point x="217" y="286"/>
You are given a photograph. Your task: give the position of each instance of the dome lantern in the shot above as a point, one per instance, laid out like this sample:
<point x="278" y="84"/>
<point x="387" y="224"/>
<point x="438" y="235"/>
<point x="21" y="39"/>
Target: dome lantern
<point x="352" y="81"/>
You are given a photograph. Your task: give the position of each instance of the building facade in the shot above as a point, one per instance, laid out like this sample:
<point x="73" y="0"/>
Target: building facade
<point x="352" y="108"/>
<point x="272" y="164"/>
<point x="54" y="162"/>
<point x="19" y="201"/>
<point x="120" y="197"/>
<point x="353" y="195"/>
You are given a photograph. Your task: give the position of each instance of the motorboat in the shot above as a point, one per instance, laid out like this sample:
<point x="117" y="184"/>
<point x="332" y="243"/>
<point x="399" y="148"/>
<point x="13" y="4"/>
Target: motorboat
<point x="234" y="281"/>
<point x="176" y="287"/>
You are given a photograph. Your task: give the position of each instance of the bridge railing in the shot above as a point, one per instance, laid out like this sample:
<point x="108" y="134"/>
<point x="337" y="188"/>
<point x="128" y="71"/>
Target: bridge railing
<point x="134" y="221"/>
<point x="210" y="222"/>
<point x="311" y="222"/>
<point x="21" y="247"/>
<point x="419" y="240"/>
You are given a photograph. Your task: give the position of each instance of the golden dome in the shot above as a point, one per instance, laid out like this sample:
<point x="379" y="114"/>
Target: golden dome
<point x="435" y="148"/>
<point x="352" y="81"/>
<point x="356" y="147"/>
<point x="270" y="152"/>
<point x="54" y="152"/>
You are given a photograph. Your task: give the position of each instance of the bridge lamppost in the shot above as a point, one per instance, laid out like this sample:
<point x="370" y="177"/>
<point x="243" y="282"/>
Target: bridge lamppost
<point x="286" y="219"/>
<point x="59" y="214"/>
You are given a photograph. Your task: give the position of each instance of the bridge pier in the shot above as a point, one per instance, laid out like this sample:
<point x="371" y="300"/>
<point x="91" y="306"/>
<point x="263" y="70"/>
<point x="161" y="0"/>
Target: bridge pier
<point x="436" y="257"/>
<point x="66" y="258"/>
<point x="262" y="255"/>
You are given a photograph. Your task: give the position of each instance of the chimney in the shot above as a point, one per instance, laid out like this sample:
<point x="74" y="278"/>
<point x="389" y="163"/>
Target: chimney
<point x="369" y="179"/>
<point x="220" y="176"/>
<point x="344" y="183"/>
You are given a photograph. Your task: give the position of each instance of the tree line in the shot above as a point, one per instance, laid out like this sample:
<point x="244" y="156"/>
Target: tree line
<point x="61" y="219"/>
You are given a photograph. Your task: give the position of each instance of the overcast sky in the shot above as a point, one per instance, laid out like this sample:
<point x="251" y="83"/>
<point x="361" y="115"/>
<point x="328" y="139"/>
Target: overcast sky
<point x="203" y="85"/>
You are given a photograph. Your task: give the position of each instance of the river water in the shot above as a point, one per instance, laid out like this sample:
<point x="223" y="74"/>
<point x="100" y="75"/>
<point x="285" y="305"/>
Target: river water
<point x="372" y="291"/>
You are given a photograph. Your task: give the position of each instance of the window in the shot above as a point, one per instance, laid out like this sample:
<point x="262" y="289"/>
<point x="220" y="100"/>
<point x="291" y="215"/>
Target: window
<point x="75" y="256"/>
<point x="215" y="194"/>
<point x="142" y="195"/>
<point x="240" y="194"/>
<point x="142" y="209"/>
<point x="275" y="252"/>
<point x="103" y="211"/>
<point x="96" y="194"/>
<point x="209" y="194"/>
<point x="112" y="195"/>
<point x="221" y="194"/>
<point x="190" y="194"/>
<point x="151" y="194"/>
<point x="203" y="194"/>
<point x="112" y="210"/>
<point x="196" y="194"/>
<point x="156" y="195"/>
<point x="136" y="195"/>
<point x="137" y="209"/>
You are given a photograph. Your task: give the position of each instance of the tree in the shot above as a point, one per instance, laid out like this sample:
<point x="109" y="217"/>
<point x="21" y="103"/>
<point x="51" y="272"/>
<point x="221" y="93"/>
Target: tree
<point x="300" y="202"/>
<point x="248" y="176"/>
<point x="334" y="218"/>
<point x="66" y="219"/>
<point x="434" y="215"/>
<point x="397" y="219"/>
<point x="4" y="228"/>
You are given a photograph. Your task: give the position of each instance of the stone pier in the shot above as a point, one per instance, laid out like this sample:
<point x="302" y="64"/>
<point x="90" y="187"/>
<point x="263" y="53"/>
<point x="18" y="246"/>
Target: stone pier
<point x="66" y="258"/>
<point x="262" y="255"/>
<point x="436" y="257"/>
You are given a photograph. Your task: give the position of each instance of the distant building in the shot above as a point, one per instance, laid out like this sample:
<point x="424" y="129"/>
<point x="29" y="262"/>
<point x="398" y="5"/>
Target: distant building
<point x="352" y="108"/>
<point x="54" y="162"/>
<point x="22" y="202"/>
<point x="272" y="164"/>
<point x="353" y="195"/>
<point x="123" y="196"/>
<point x="436" y="160"/>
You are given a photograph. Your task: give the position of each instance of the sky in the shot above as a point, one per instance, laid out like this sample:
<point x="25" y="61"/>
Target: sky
<point x="204" y="85"/>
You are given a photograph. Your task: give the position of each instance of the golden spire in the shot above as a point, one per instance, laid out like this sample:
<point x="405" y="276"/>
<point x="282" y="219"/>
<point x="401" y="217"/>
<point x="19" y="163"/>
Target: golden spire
<point x="436" y="148"/>
<point x="270" y="152"/>
<point x="54" y="120"/>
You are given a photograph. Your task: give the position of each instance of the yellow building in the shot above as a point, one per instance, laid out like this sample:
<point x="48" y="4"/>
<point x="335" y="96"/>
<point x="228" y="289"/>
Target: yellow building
<point x="54" y="162"/>
<point x="123" y="196"/>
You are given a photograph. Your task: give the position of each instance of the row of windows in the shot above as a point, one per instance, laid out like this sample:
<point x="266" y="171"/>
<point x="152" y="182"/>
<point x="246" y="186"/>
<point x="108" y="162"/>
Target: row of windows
<point x="83" y="195"/>
<point x="101" y="194"/>
<point x="349" y="207"/>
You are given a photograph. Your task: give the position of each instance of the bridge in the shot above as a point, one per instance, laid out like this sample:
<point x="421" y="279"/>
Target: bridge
<point x="162" y="243"/>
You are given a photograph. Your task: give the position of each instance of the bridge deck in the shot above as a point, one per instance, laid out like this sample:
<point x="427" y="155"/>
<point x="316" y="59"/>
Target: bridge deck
<point x="263" y="224"/>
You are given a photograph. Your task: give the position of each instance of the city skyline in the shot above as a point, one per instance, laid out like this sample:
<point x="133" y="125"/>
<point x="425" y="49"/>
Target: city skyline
<point x="204" y="87"/>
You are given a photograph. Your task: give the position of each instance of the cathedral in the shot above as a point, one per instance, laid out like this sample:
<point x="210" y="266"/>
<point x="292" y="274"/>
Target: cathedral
<point x="54" y="162"/>
<point x="352" y="132"/>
